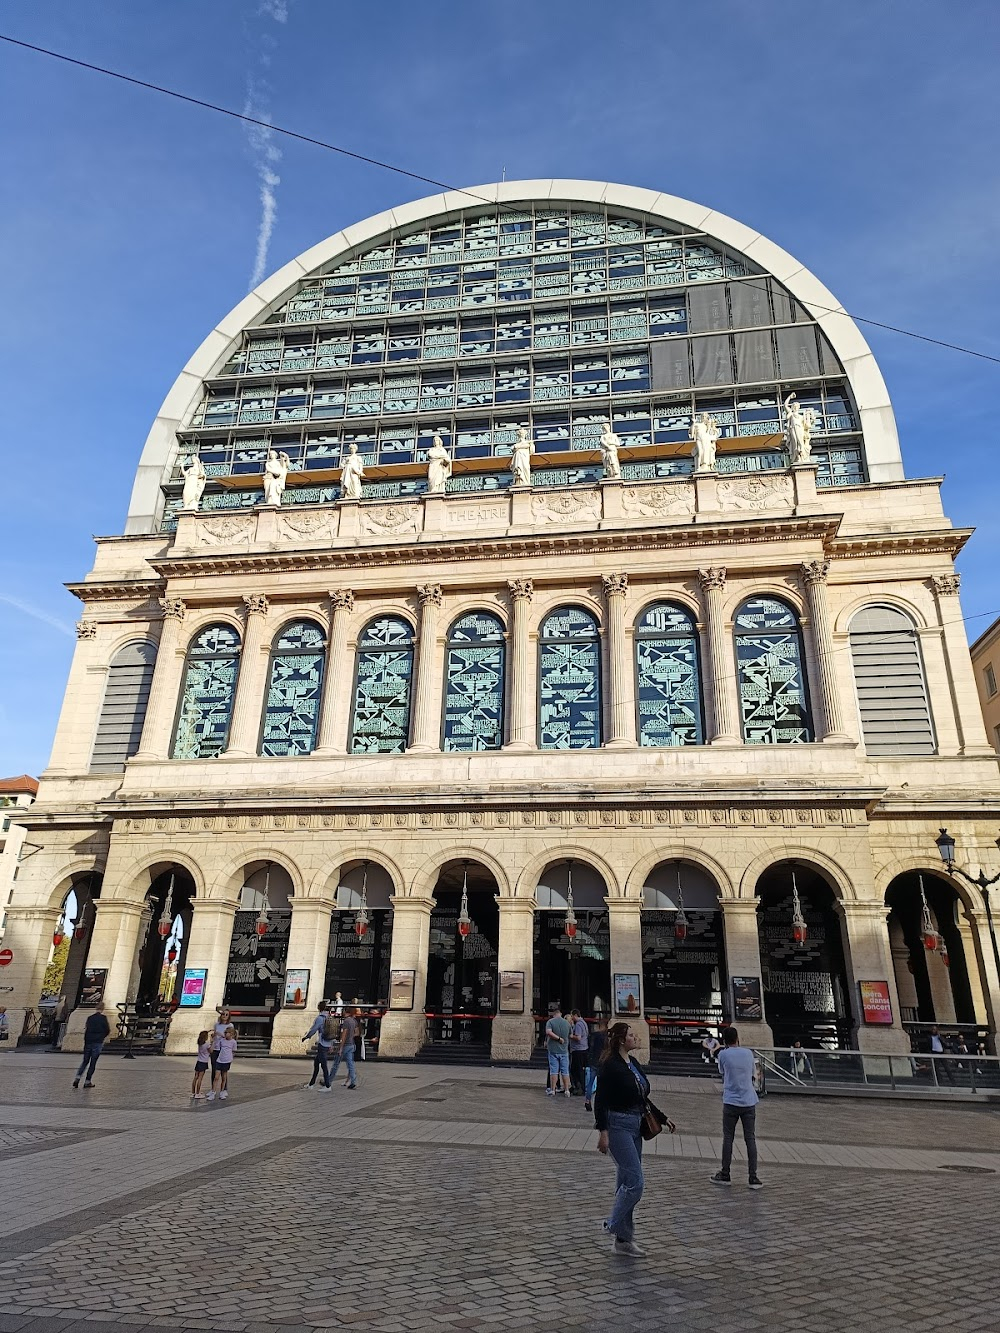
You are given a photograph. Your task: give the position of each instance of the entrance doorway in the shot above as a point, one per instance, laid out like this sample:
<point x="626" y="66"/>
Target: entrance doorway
<point x="571" y="970"/>
<point x="357" y="964"/>
<point x="935" y="985"/>
<point x="462" y="955"/>
<point x="163" y="948"/>
<point x="258" y="953"/>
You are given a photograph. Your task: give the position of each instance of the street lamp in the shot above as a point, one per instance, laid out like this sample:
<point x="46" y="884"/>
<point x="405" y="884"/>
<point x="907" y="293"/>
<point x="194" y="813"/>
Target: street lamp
<point x="680" y="920"/>
<point x="945" y="844"/>
<point x="464" y="920"/>
<point x="800" y="931"/>
<point x="361" y="916"/>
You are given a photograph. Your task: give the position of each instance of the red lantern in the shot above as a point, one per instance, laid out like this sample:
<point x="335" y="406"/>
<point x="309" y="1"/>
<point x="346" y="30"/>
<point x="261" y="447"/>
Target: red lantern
<point x="571" y="929"/>
<point x="80" y="932"/>
<point x="171" y="956"/>
<point x="464" y="927"/>
<point x="680" y="925"/>
<point x="57" y="937"/>
<point x="361" y="925"/>
<point x="261" y="926"/>
<point x="800" y="932"/>
<point x="163" y="928"/>
<point x="930" y="940"/>
<point x="464" y="920"/>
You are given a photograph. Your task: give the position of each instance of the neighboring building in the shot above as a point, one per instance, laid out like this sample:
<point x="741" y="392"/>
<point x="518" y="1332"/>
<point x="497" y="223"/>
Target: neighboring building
<point x="651" y="723"/>
<point x="986" y="667"/>
<point x="15" y="794"/>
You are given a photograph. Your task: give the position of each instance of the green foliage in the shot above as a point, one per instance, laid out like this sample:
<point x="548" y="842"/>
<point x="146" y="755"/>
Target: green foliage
<point x="56" y="970"/>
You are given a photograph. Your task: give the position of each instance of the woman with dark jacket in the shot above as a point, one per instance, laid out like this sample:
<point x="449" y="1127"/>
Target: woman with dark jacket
<point x="621" y="1098"/>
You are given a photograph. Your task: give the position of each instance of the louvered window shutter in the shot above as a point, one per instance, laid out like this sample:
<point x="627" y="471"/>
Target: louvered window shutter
<point x="889" y="677"/>
<point x="120" y="728"/>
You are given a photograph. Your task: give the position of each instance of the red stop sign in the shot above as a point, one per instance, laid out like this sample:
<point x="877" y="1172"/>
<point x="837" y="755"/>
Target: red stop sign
<point x="6" y="957"/>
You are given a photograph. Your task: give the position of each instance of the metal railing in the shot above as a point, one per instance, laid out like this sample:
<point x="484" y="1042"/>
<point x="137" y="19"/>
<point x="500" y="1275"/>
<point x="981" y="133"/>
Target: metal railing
<point x="818" y="1070"/>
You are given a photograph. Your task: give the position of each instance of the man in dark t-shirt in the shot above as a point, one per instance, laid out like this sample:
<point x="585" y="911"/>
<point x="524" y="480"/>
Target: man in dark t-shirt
<point x="95" y="1034"/>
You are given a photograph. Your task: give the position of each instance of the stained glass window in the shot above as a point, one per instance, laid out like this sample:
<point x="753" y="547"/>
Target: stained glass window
<point x="291" y="714"/>
<point x="569" y="679"/>
<point x="474" y="683"/>
<point x="381" y="722"/>
<point x="207" y="698"/>
<point x="668" y="683"/>
<point x="773" y="695"/>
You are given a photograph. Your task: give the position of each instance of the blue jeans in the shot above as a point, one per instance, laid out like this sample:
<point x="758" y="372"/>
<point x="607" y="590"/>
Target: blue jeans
<point x="731" y="1117"/>
<point x="625" y="1146"/>
<point x="319" y="1062"/>
<point x="591" y="1082"/>
<point x="346" y="1054"/>
<point x="91" y="1055"/>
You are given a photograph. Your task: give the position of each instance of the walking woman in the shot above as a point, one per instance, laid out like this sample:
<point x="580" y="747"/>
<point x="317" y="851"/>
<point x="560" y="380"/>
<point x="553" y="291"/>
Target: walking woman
<point x="621" y="1098"/>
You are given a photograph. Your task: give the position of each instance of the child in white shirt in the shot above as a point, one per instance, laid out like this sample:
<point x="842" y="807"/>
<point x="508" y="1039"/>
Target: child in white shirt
<point x="201" y="1064"/>
<point x="223" y="1060"/>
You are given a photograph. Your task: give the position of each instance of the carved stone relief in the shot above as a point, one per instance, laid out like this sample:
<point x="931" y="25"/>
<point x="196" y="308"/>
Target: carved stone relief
<point x="304" y="526"/>
<point x="658" y="501"/>
<point x="757" y="493"/>
<point x="226" y="530"/>
<point x="377" y="520"/>
<point x="566" y="506"/>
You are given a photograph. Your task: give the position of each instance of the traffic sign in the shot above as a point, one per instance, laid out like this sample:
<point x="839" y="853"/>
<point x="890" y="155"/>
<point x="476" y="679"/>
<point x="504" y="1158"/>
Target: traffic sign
<point x="6" y="957"/>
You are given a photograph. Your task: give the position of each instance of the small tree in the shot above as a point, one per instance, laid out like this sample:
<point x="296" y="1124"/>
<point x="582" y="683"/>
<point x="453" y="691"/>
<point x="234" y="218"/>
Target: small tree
<point x="56" y="970"/>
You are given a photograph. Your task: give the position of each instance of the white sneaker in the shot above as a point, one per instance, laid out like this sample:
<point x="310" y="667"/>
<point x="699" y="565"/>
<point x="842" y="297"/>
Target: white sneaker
<point x="629" y="1249"/>
<point x="209" y="1096"/>
<point x="329" y="1089"/>
<point x="309" y="1085"/>
<point x="223" y="1095"/>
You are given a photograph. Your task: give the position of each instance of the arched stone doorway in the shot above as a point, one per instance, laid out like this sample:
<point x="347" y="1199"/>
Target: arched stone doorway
<point x="807" y="995"/>
<point x="164" y="931"/>
<point x="573" y="970"/>
<point x="461" y="997"/>
<point x="942" y="984"/>
<point x="358" y="960"/>
<point x="255" y="972"/>
<point x="76" y="925"/>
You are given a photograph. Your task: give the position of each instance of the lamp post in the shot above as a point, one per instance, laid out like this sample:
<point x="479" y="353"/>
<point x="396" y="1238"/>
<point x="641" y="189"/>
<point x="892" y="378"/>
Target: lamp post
<point x="945" y="844"/>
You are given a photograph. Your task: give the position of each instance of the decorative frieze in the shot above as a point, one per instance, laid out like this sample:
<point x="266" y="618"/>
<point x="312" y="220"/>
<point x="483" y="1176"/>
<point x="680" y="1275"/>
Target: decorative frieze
<point x="757" y="493"/>
<point x="659" y="501"/>
<point x="396" y="519"/>
<point x="566" y="506"/>
<point x="228" y="530"/>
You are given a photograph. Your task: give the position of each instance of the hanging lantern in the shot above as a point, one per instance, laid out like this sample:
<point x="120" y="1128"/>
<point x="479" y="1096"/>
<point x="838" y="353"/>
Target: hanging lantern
<point x="80" y="928"/>
<point x="361" y="919"/>
<point x="166" y="922"/>
<point x="261" y="926"/>
<point x="927" y="928"/>
<point x="172" y="955"/>
<point x="800" y="931"/>
<point x="680" y="920"/>
<point x="464" y="920"/>
<point x="58" y="935"/>
<point x="569" y="925"/>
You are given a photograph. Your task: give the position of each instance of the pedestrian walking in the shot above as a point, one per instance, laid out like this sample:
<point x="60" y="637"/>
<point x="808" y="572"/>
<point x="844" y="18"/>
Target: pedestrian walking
<point x="579" y="1043"/>
<point x="325" y="1028"/>
<point x="620" y="1102"/>
<point x="598" y="1041"/>
<point x="218" y="1032"/>
<point x="348" y="1036"/>
<point x="95" y="1033"/>
<point x="4" y="1024"/>
<point x="223" y="1061"/>
<point x="201" y="1064"/>
<point x="739" y="1106"/>
<point x="557" y="1046"/>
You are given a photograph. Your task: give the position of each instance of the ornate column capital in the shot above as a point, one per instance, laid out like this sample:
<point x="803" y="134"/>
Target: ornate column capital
<point x="615" y="585"/>
<point x="430" y="594"/>
<point x="341" y="599"/>
<point x="86" y="629"/>
<point x="946" y="585"/>
<point x="521" y="590"/>
<point x="815" y="571"/>
<point x="713" y="577"/>
<point x="173" y="608"/>
<point x="256" y="604"/>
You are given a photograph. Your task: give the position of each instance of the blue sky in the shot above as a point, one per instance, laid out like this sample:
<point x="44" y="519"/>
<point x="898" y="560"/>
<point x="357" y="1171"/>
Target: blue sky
<point x="861" y="137"/>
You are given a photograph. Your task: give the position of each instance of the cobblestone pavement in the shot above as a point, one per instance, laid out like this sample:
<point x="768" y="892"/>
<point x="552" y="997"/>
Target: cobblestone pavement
<point x="283" y="1211"/>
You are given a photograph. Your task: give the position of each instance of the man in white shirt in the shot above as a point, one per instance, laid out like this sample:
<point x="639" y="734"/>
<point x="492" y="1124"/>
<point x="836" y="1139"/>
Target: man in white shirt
<point x="739" y="1106"/>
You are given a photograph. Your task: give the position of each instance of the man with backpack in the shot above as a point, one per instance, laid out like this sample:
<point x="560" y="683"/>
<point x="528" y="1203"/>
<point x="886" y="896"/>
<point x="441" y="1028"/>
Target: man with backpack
<point x="325" y="1028"/>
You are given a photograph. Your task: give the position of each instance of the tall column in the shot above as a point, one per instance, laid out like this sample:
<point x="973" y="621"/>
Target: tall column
<point x="162" y="706"/>
<point x="523" y="704"/>
<point x="621" y="712"/>
<point x="308" y="946"/>
<point x="814" y="576"/>
<point x="84" y="690"/>
<point x="514" y="1034"/>
<point x="244" y="731"/>
<point x="209" y="941"/>
<point x="427" y="704"/>
<point x="28" y="935"/>
<point x="402" y="1032"/>
<point x="739" y="925"/>
<point x="721" y="659"/>
<point x="332" y="738"/>
<point x="961" y="681"/>
<point x="114" y="945"/>
<point x="625" y="930"/>
<point x="869" y="958"/>
<point x="989" y="982"/>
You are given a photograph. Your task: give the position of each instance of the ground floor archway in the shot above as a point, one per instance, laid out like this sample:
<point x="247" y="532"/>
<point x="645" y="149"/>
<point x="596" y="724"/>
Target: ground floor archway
<point x="357" y="966"/>
<point x="933" y="952"/>
<point x="463" y="944"/>
<point x="571" y="970"/>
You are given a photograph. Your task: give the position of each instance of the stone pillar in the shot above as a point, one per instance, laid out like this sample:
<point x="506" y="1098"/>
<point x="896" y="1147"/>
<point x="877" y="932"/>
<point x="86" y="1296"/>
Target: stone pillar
<point x="211" y="934"/>
<point x="28" y="935"/>
<point x="814" y="576"/>
<point x="869" y="958"/>
<point x="986" y="969"/>
<point x="427" y="703"/>
<point x="332" y="738"/>
<point x="157" y="731"/>
<point x="621" y="688"/>
<point x="739" y="925"/>
<point x="251" y="683"/>
<point x="961" y="681"/>
<point x="523" y="703"/>
<point x="308" y="946"/>
<point x="402" y="1033"/>
<point x="721" y="660"/>
<point x="115" y="943"/>
<point x="514" y="1034"/>
<point x="625" y="929"/>
<point x="67" y="755"/>
<point x="967" y="926"/>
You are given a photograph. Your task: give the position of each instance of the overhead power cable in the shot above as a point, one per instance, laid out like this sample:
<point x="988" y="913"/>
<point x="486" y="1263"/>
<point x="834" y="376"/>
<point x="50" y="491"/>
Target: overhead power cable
<point x="412" y="175"/>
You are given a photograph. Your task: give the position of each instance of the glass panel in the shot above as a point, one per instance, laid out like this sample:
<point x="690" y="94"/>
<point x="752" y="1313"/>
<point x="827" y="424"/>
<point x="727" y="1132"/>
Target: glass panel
<point x="474" y="683"/>
<point x="773" y="698"/>
<point x="291" y="713"/>
<point x="207" y="697"/>
<point x="668" y="688"/>
<point x="381" y="722"/>
<point x="569" y="678"/>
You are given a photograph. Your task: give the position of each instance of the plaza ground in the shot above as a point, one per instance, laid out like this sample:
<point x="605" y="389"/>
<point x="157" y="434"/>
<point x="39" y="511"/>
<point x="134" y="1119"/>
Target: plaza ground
<point x="445" y="1198"/>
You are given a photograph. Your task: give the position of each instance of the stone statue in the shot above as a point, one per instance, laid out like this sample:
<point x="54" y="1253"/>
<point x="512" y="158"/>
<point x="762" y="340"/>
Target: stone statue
<point x="798" y="430"/>
<point x="438" y="467"/>
<point x="276" y="469"/>
<point x="351" y="471"/>
<point x="520" y="459"/>
<point x="609" y="452"/>
<point x="195" y="477"/>
<point x="704" y="434"/>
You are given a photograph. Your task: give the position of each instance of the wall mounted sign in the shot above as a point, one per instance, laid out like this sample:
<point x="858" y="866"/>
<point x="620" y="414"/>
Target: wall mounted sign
<point x="747" y="1003"/>
<point x="401" y="986"/>
<point x="876" y="1003"/>
<point x="296" y="987"/>
<point x="626" y="992"/>
<point x="193" y="987"/>
<point x="92" y="987"/>
<point x="512" y="992"/>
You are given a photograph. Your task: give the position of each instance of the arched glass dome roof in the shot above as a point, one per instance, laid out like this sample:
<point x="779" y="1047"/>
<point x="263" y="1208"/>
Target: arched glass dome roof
<point x="548" y="304"/>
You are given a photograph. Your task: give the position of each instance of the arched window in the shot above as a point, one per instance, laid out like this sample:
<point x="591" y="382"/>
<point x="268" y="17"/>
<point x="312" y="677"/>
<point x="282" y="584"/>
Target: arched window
<point x="381" y="723"/>
<point x="474" y="681"/>
<point x="291" y="713"/>
<point x="773" y="697"/>
<point x="124" y="709"/>
<point x="889" y="677"/>
<point x="569" y="681"/>
<point x="668" y="681"/>
<point x="207" y="697"/>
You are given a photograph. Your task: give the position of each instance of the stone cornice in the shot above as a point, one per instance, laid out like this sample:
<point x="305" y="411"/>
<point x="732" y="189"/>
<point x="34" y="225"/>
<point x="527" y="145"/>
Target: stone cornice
<point x="937" y="541"/>
<point x="133" y="590"/>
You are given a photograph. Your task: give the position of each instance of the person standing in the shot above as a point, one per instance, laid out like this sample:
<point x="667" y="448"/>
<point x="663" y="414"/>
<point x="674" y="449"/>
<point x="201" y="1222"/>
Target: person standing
<point x="579" y="1042"/>
<point x="621" y="1099"/>
<point x="739" y="1106"/>
<point x="557" y="1046"/>
<point x="95" y="1033"/>
<point x="324" y="1028"/>
<point x="598" y="1041"/>
<point x="348" y="1036"/>
<point x="223" y="1063"/>
<point x="218" y="1032"/>
<point x="201" y="1064"/>
<point x="4" y="1024"/>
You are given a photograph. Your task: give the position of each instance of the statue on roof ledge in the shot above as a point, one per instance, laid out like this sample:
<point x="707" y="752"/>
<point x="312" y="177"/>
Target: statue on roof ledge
<point x="438" y="467"/>
<point x="195" y="477"/>
<point x="704" y="434"/>
<point x="799" y="426"/>
<point x="610" y="444"/>
<point x="276" y="469"/>
<point x="351" y="471"/>
<point x="520" y="459"/>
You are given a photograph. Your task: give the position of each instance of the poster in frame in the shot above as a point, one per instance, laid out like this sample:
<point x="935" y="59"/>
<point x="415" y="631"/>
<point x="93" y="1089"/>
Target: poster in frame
<point x="512" y="992"/>
<point x="626" y="992"/>
<point x="748" y="1005"/>
<point x="296" y="987"/>
<point x="193" y="987"/>
<point x="876" y="1003"/>
<point x="92" y="987"/>
<point x="402" y="983"/>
